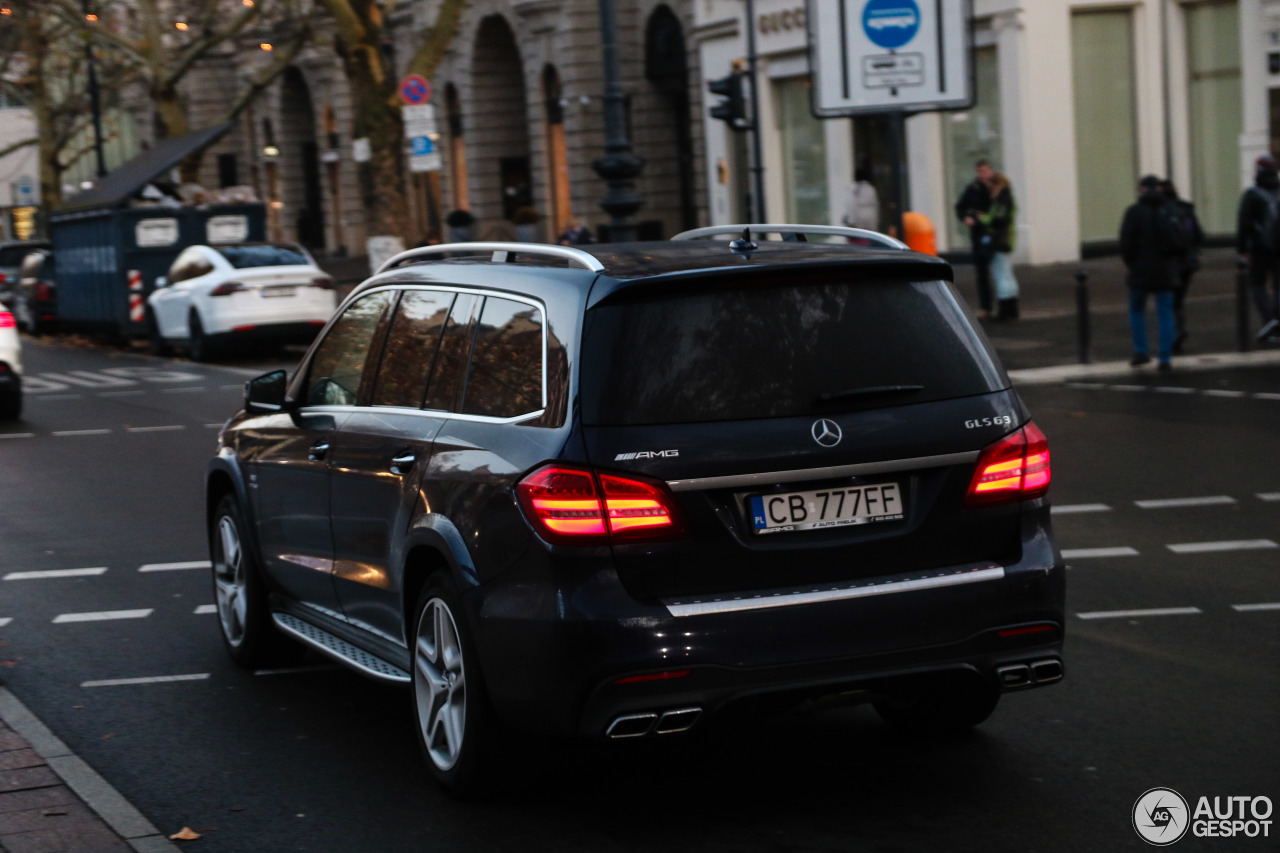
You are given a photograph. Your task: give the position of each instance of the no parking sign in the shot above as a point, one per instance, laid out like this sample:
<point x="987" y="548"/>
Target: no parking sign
<point x="415" y="89"/>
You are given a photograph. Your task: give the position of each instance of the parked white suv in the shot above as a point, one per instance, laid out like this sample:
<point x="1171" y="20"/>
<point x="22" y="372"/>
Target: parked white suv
<point x="216" y="294"/>
<point x="10" y="368"/>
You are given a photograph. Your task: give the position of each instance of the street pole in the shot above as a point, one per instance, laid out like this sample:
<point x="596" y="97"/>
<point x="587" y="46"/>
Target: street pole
<point x="620" y="166"/>
<point x="757" y="165"/>
<point x="95" y="104"/>
<point x="898" y="135"/>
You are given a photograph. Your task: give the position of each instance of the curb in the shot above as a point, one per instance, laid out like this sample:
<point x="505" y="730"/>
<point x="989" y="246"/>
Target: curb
<point x="85" y="782"/>
<point x="1181" y="364"/>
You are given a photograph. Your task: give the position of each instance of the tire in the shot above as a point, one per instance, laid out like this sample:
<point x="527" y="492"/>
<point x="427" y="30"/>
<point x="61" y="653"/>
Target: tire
<point x="457" y="731"/>
<point x="11" y="405"/>
<point x="244" y="616"/>
<point x="156" y="344"/>
<point x="201" y="347"/>
<point x="952" y="704"/>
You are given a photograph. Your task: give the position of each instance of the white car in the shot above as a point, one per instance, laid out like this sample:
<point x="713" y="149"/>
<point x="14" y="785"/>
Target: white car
<point x="216" y="294"/>
<point x="10" y="368"/>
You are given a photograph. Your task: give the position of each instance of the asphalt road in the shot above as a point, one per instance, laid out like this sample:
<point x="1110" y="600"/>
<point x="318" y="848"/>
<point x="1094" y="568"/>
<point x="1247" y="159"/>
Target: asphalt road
<point x="105" y="474"/>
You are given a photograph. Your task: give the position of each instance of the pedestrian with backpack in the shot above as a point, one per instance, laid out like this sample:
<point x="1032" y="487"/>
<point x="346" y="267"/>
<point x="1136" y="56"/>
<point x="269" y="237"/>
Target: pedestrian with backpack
<point x="1152" y="245"/>
<point x="1189" y="262"/>
<point x="1258" y="242"/>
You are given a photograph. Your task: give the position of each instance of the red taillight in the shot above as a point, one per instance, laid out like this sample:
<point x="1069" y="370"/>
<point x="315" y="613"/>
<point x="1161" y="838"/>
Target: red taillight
<point x="227" y="288"/>
<point x="654" y="676"/>
<point x="44" y="292"/>
<point x="575" y="506"/>
<point x="1022" y="632"/>
<point x="3" y="278"/>
<point x="1015" y="468"/>
<point x="6" y="320"/>
<point x="323" y="282"/>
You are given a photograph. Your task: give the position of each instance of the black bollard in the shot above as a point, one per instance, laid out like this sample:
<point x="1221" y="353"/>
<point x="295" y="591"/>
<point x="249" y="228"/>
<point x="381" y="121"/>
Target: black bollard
<point x="1242" y="304"/>
<point x="1083" y="332"/>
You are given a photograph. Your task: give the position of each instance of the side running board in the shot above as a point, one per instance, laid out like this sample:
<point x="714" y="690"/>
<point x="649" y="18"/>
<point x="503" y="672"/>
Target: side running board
<point x="339" y="649"/>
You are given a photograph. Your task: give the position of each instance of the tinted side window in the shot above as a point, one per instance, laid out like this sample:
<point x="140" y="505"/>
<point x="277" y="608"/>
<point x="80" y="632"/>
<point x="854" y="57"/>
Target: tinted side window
<point x="182" y="267"/>
<point x="338" y="365"/>
<point x="451" y="363"/>
<point x="411" y="348"/>
<point x="506" y="362"/>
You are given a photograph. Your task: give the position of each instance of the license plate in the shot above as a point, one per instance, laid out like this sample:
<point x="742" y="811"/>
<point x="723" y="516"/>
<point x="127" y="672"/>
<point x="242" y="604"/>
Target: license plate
<point x="281" y="290"/>
<point x="838" y="507"/>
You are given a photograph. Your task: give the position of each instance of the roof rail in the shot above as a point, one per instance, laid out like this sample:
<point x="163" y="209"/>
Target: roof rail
<point x="502" y="253"/>
<point x="796" y="233"/>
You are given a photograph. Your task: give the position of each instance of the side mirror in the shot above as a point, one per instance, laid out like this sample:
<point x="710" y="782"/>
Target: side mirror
<point x="161" y="281"/>
<point x="266" y="393"/>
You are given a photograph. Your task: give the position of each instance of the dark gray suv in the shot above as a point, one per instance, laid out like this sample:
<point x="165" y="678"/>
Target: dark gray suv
<point x="617" y="492"/>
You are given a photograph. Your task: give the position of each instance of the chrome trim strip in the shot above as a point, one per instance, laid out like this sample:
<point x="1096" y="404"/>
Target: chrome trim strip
<point x="763" y="601"/>
<point x="859" y="469"/>
<point x="425" y="413"/>
<point x="567" y="253"/>
<point x="776" y="228"/>
<point x="394" y="674"/>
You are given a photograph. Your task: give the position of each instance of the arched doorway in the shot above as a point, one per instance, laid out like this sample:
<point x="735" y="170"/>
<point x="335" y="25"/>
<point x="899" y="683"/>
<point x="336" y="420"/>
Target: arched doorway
<point x="300" y="187"/>
<point x="498" y="142"/>
<point x="670" y="150"/>
<point x="557" y="151"/>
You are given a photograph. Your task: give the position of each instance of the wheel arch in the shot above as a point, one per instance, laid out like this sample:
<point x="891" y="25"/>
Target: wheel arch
<point x="223" y="478"/>
<point x="433" y="545"/>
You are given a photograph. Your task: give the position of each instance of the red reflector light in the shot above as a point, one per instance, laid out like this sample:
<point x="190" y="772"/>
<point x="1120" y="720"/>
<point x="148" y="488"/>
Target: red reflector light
<point x="575" y="506"/>
<point x="1015" y="468"/>
<point x="1030" y="629"/>
<point x="244" y="328"/>
<point x="227" y="288"/>
<point x="6" y="320"/>
<point x="323" y="282"/>
<point x="653" y="676"/>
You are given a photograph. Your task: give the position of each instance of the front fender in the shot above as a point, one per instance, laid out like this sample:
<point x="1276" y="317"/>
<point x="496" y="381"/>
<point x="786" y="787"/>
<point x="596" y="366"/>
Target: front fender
<point x="226" y="465"/>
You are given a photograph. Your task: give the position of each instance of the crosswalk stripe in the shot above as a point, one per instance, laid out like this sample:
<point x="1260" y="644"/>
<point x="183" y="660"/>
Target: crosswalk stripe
<point x="101" y="616"/>
<point x="1253" y="608"/>
<point x="5" y="620"/>
<point x="1086" y="553"/>
<point x="174" y="567"/>
<point x="1214" y="547"/>
<point x="205" y="609"/>
<point x="56" y="573"/>
<point x="1125" y="614"/>
<point x="1169" y="503"/>
<point x="155" y="679"/>
<point x="1071" y="509"/>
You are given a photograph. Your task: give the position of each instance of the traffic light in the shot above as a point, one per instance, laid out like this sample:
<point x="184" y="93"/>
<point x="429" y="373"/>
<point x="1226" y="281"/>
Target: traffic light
<point x="732" y="110"/>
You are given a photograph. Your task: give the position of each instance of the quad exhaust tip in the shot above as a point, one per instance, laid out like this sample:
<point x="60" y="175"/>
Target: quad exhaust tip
<point x="1024" y="675"/>
<point x="638" y="725"/>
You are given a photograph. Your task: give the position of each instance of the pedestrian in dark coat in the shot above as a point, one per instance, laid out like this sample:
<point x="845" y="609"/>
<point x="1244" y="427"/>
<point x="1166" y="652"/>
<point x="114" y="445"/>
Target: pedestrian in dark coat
<point x="1151" y="257"/>
<point x="973" y="203"/>
<point x="1189" y="262"/>
<point x="1258" y="242"/>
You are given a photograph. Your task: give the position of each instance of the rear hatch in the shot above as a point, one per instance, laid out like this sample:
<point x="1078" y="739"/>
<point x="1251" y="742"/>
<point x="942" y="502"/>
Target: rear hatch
<point x="820" y="428"/>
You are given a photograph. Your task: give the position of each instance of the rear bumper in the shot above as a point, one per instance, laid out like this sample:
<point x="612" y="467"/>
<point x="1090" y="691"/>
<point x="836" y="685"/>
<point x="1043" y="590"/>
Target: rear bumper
<point x="552" y="661"/>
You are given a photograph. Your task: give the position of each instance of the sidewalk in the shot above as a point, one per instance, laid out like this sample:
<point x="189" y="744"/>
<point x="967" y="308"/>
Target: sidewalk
<point x="51" y="801"/>
<point x="1045" y="336"/>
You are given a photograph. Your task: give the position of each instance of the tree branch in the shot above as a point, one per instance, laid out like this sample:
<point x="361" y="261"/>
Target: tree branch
<point x="18" y="146"/>
<point x="265" y="77"/>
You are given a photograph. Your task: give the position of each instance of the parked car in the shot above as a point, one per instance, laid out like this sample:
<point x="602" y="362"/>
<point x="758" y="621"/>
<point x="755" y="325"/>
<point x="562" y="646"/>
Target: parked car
<point x="214" y="295"/>
<point x="621" y="497"/>
<point x="11" y="256"/>
<point x="36" y="302"/>
<point x="10" y="368"/>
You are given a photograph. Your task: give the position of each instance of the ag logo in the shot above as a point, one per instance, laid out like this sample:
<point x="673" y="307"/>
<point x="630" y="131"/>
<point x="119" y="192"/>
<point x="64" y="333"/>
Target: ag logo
<point x="826" y="432"/>
<point x="1160" y="816"/>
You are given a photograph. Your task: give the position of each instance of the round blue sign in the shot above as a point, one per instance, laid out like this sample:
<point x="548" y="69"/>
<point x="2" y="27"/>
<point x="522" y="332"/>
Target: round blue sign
<point x="891" y="23"/>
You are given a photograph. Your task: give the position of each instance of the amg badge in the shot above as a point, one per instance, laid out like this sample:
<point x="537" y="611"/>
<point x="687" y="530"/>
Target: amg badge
<point x="646" y="454"/>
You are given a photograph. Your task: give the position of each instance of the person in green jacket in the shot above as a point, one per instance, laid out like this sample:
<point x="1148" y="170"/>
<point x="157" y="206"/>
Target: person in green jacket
<point x="998" y="219"/>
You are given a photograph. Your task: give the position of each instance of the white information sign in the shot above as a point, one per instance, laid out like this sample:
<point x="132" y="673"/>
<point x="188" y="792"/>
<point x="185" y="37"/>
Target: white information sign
<point x="227" y="229"/>
<point x="382" y="249"/>
<point x="419" y="120"/>
<point x="360" y="151"/>
<point x="148" y="233"/>
<point x="425" y="163"/>
<point x="875" y="56"/>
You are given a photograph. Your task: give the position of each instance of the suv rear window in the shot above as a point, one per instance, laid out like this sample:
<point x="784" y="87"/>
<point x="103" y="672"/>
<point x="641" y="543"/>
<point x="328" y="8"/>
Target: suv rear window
<point x="247" y="257"/>
<point x="772" y="351"/>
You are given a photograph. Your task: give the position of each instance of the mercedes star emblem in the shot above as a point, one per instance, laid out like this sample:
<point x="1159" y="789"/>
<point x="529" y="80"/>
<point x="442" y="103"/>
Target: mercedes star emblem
<point x="826" y="432"/>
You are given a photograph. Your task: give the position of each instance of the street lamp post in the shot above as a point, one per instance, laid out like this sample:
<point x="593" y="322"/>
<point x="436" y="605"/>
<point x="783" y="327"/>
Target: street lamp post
<point x="94" y="101"/>
<point x="620" y="166"/>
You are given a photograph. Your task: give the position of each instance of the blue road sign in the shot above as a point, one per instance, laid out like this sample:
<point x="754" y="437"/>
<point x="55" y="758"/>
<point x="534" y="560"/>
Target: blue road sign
<point x="890" y="24"/>
<point x="422" y="145"/>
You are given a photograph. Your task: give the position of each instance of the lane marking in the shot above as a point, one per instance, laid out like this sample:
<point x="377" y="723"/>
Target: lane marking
<point x="1213" y="547"/>
<point x="1086" y="553"/>
<point x="1254" y="608"/>
<point x="239" y="387"/>
<point x="1269" y="496"/>
<point x="1126" y="614"/>
<point x="122" y="394"/>
<point x="5" y="620"/>
<point x="1129" y="387"/>
<point x="68" y="432"/>
<point x="18" y="435"/>
<point x="1169" y="503"/>
<point x="63" y="397"/>
<point x="155" y="679"/>
<point x="1072" y="509"/>
<point x="1086" y="386"/>
<point x="182" y="390"/>
<point x="1266" y="395"/>
<point x="171" y="428"/>
<point x="56" y="573"/>
<point x="175" y="567"/>
<point x="1173" y="389"/>
<point x="1219" y="392"/>
<point x="102" y="616"/>
<point x="213" y="426"/>
<point x="323" y="667"/>
<point x="205" y="610"/>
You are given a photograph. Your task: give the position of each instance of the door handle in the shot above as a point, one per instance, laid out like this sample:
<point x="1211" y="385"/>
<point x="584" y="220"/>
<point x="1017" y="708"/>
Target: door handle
<point x="403" y="463"/>
<point x="317" y="451"/>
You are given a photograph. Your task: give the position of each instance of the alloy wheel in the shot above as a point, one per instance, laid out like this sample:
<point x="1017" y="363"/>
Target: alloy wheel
<point x="440" y="684"/>
<point x="229" y="580"/>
